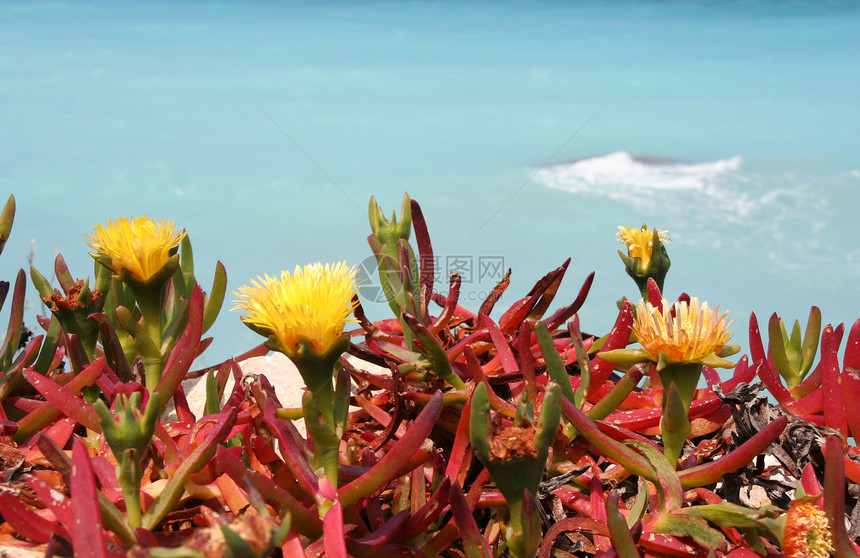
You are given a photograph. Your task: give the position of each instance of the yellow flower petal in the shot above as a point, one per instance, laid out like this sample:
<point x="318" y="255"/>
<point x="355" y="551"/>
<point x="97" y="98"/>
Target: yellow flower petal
<point x="639" y="242"/>
<point x="311" y="305"/>
<point x="693" y="333"/>
<point x="139" y="246"/>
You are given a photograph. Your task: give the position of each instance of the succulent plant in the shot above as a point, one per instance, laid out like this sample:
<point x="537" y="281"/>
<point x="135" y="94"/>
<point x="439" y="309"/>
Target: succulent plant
<point x="422" y="433"/>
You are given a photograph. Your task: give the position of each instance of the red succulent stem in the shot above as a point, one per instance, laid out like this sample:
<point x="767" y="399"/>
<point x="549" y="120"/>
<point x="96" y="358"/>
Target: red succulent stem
<point x="303" y="521"/>
<point x="563" y="314"/>
<point x="474" y="544"/>
<point x="712" y="472"/>
<point x="628" y="458"/>
<point x="184" y="352"/>
<point x="834" y="498"/>
<point x="391" y="464"/>
<point x="744" y="372"/>
<point x="450" y="306"/>
<point x="503" y="347"/>
<point x="619" y="337"/>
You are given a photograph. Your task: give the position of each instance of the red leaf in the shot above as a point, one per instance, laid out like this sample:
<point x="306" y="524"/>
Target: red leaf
<point x="619" y="337"/>
<point x="461" y="444"/>
<point x="417" y="523"/>
<point x="42" y="417"/>
<point x="834" y="497"/>
<point x="293" y="455"/>
<point x="503" y="347"/>
<point x="335" y="540"/>
<point x="554" y="321"/>
<point x="743" y="373"/>
<point x="473" y="542"/>
<point x="833" y="400"/>
<point x="55" y="500"/>
<point x="87" y="538"/>
<point x="185" y="350"/>
<point x="26" y="522"/>
<point x="756" y="346"/>
<point x="292" y="547"/>
<point x="527" y="360"/>
<point x="303" y="520"/>
<point x="773" y="382"/>
<point x="851" y="380"/>
<point x="852" y="469"/>
<point x="655" y="297"/>
<point x="425" y="252"/>
<point x="809" y="481"/>
<point x="708" y="473"/>
<point x="598" y="510"/>
<point x="449" y="307"/>
<point x="808" y="404"/>
<point x="852" y="347"/>
<point x="65" y="400"/>
<point x="391" y="464"/>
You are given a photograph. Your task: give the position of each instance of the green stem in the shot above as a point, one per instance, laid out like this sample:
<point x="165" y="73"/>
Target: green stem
<point x="323" y="422"/>
<point x="679" y="386"/>
<point x="325" y="434"/>
<point x="130" y="477"/>
<point x="325" y="398"/>
<point x="685" y="376"/>
<point x="149" y="302"/>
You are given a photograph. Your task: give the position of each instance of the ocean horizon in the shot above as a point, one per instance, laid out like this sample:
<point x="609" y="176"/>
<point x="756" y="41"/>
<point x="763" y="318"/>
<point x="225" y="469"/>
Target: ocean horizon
<point x="528" y="132"/>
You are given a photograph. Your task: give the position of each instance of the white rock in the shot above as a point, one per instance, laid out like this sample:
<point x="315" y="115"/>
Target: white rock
<point x="16" y="552"/>
<point x="754" y="497"/>
<point x="367" y="366"/>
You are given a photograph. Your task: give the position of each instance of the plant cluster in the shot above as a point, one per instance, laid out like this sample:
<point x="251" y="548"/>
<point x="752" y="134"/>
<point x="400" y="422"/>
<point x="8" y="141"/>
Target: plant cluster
<point x="446" y="432"/>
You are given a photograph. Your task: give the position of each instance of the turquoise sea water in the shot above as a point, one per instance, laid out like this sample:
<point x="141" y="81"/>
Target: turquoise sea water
<point x="264" y="127"/>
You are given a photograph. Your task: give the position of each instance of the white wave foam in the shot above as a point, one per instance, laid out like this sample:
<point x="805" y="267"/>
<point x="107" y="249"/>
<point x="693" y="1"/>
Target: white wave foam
<point x="620" y="171"/>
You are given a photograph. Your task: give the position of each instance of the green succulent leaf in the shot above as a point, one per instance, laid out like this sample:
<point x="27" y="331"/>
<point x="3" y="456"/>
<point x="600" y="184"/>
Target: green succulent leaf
<point x="682" y="525"/>
<point x="554" y="365"/>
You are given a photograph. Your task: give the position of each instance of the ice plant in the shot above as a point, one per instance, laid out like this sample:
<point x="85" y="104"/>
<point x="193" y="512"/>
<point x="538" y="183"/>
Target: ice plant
<point x="807" y="531"/>
<point x="792" y="355"/>
<point x="128" y="436"/>
<point x="136" y="249"/>
<point x="417" y="468"/>
<point x="142" y="254"/>
<point x="7" y="216"/>
<point x="73" y="305"/>
<point x="399" y="274"/>
<point x="692" y="334"/>
<point x="516" y="454"/>
<point x="679" y="340"/>
<point x="303" y="315"/>
<point x="646" y="255"/>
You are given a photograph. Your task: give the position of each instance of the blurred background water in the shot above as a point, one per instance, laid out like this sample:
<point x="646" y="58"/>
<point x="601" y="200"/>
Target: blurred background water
<point x="527" y="131"/>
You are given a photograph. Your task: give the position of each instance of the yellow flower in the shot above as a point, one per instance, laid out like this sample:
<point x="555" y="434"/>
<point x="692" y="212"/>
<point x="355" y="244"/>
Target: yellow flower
<point x="311" y="305"/>
<point x="692" y="334"/>
<point x="138" y="246"/>
<point x="639" y="242"/>
<point x="807" y="532"/>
